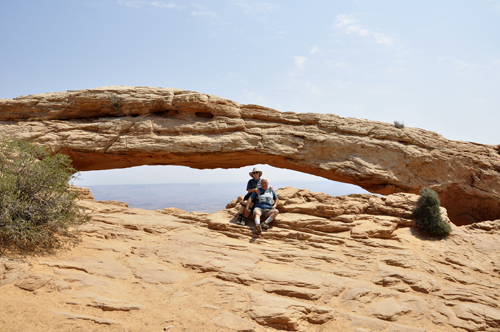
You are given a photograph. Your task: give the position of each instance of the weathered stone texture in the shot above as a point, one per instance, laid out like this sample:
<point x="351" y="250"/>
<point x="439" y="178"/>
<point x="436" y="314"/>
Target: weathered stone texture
<point x="115" y="127"/>
<point x="138" y="270"/>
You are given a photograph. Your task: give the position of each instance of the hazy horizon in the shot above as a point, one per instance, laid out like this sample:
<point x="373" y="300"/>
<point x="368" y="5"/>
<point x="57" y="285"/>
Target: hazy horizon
<point x="201" y="197"/>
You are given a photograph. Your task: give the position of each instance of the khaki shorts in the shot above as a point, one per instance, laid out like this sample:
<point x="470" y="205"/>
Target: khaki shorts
<point x="264" y="212"/>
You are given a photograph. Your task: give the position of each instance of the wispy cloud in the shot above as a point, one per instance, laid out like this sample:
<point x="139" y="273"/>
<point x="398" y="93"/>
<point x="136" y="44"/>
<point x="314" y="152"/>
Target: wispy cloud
<point x="203" y="11"/>
<point x="383" y="39"/>
<point x="313" y="89"/>
<point x="336" y="63"/>
<point x="343" y="20"/>
<point x="160" y="4"/>
<point x="154" y="4"/>
<point x="460" y="64"/>
<point x="495" y="3"/>
<point x="254" y="7"/>
<point x="135" y="4"/>
<point x="300" y="61"/>
<point x="351" y="25"/>
<point x="258" y="99"/>
<point x="314" y="50"/>
<point x="206" y="13"/>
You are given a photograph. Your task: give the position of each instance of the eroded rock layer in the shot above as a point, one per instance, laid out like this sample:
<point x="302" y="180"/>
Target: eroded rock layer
<point x="116" y="127"/>
<point x="352" y="263"/>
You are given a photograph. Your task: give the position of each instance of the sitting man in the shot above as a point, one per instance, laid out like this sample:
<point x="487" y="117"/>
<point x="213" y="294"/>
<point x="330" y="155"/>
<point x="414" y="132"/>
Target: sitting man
<point x="264" y="205"/>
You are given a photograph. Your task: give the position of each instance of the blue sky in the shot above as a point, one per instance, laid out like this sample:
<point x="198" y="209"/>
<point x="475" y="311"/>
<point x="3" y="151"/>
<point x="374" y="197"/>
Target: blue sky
<point x="432" y="64"/>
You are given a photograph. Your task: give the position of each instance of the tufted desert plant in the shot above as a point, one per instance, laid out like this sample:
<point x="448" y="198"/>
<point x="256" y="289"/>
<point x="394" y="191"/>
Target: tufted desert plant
<point x="427" y="214"/>
<point x="115" y="101"/>
<point x="37" y="210"/>
<point x="399" y="125"/>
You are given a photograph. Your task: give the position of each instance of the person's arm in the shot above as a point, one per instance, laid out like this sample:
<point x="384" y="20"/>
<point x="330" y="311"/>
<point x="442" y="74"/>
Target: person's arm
<point x="276" y="200"/>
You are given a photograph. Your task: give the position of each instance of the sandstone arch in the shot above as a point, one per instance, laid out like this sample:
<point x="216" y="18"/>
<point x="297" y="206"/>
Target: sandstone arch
<point x="116" y="127"/>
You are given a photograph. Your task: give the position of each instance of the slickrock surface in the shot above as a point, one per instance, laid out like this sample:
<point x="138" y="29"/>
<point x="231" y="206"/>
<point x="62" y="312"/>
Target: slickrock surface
<point x="114" y="127"/>
<point x="349" y="263"/>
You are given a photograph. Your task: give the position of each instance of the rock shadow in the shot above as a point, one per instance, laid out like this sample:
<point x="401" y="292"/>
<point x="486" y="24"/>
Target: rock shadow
<point x="250" y="223"/>
<point x="424" y="237"/>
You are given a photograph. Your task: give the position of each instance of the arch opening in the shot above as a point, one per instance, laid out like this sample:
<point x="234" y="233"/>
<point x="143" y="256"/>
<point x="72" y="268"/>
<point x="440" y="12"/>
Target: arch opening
<point x="195" y="190"/>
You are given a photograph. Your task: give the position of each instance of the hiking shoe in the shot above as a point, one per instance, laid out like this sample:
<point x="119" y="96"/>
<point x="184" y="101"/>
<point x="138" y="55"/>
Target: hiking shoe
<point x="240" y="220"/>
<point x="258" y="229"/>
<point x="265" y="226"/>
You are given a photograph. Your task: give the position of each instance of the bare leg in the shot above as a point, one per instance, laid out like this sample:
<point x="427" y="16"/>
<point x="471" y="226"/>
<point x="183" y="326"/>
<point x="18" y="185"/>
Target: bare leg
<point x="240" y="214"/>
<point x="270" y="218"/>
<point x="242" y="208"/>
<point x="257" y="221"/>
<point x="273" y="214"/>
<point x="247" y="213"/>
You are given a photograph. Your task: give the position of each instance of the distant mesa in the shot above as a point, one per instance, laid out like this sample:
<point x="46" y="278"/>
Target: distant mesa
<point x="117" y="127"/>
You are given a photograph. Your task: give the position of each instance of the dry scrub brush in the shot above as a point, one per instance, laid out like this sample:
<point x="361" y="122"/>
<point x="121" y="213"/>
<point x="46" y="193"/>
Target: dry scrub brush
<point x="428" y="216"/>
<point x="37" y="210"/>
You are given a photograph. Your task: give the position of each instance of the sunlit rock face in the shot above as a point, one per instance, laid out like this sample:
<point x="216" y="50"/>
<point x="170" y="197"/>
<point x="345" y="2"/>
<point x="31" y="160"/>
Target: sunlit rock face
<point x="349" y="263"/>
<point x="116" y="127"/>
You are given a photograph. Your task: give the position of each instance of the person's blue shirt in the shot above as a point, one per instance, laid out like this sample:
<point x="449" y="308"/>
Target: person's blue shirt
<point x="252" y="184"/>
<point x="265" y="198"/>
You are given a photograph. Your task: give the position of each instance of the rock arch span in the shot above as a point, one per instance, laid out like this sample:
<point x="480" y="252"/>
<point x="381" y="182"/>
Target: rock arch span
<point x="116" y="127"/>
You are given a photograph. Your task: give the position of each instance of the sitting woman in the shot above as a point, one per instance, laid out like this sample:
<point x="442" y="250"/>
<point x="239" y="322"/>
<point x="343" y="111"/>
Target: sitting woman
<point x="252" y="186"/>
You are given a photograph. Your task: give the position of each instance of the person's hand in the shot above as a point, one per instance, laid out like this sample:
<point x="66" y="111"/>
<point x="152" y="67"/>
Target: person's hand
<point x="271" y="188"/>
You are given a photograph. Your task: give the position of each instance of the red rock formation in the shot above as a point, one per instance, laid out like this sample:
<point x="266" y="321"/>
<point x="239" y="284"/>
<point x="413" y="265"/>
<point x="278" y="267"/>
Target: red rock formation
<point x="347" y="263"/>
<point x="116" y="127"/>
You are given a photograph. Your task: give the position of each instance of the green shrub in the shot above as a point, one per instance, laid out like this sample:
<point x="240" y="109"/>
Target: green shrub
<point x="399" y="125"/>
<point x="115" y="101"/>
<point x="36" y="208"/>
<point x="428" y="216"/>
